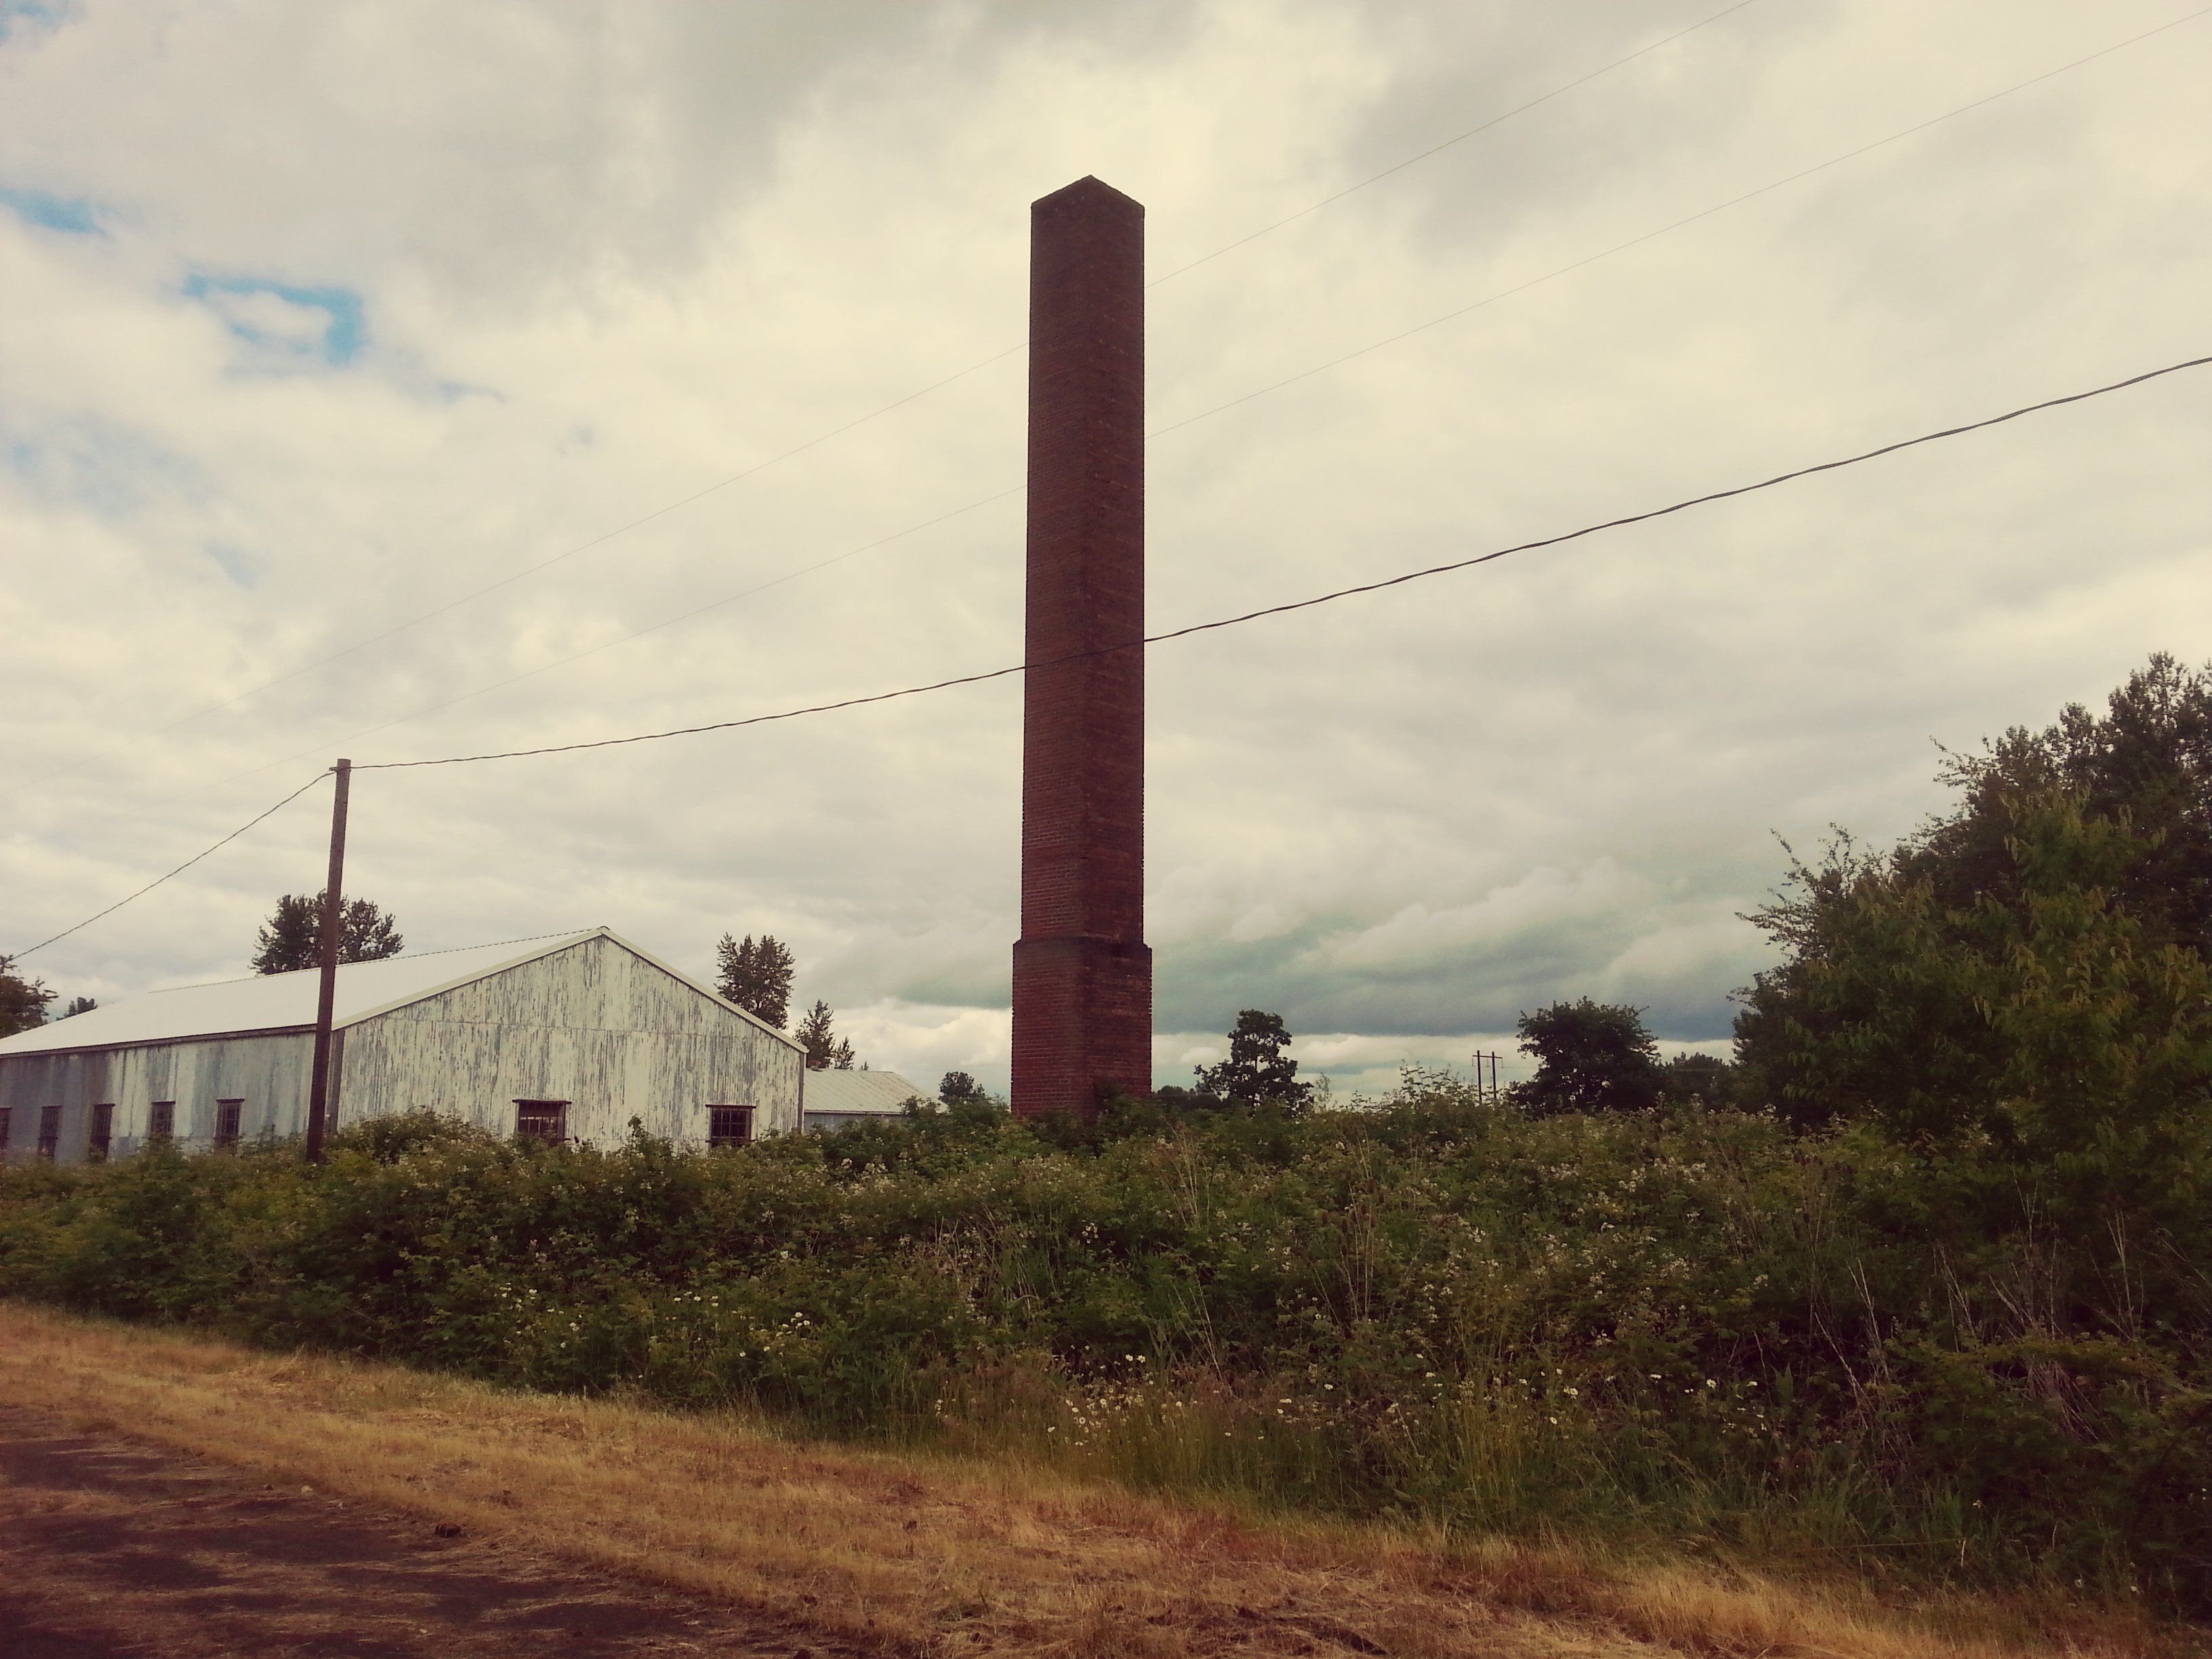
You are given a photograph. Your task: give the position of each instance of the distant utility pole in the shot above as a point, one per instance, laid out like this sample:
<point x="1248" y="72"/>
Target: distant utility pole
<point x="1489" y="1091"/>
<point x="319" y="1090"/>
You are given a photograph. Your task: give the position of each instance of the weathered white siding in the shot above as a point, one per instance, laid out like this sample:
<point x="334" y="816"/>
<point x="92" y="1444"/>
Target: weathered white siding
<point x="593" y="1024"/>
<point x="268" y="1073"/>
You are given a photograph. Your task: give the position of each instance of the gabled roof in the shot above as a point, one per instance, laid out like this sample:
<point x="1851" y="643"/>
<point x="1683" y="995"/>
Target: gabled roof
<point x="882" y="1092"/>
<point x="286" y="1002"/>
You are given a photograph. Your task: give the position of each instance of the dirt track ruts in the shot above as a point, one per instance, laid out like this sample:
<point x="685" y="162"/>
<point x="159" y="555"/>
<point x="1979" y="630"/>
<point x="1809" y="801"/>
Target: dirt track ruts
<point x="115" y="1549"/>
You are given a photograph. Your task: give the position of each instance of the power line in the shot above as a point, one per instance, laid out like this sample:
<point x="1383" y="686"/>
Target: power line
<point x="1304" y="375"/>
<point x="1683" y="224"/>
<point x="1329" y="597"/>
<point x="1457" y="139"/>
<point x="1452" y="315"/>
<point x="181" y="868"/>
<point x="891" y="407"/>
<point x="701" y="610"/>
<point x="1319" y="598"/>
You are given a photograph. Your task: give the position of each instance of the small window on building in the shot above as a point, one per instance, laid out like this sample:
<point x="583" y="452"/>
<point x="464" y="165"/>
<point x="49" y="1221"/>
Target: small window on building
<point x="541" y="1119"/>
<point x="50" y="1131"/>
<point x="228" y="1113"/>
<point x="102" y="1132"/>
<point x="7" y="1121"/>
<point x="162" y="1120"/>
<point x="729" y="1126"/>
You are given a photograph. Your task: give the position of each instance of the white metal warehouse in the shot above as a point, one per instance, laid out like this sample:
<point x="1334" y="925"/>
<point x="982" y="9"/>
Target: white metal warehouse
<point x="565" y="1038"/>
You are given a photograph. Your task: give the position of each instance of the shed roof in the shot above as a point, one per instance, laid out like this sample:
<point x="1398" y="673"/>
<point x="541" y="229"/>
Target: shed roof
<point x="282" y="1002"/>
<point x="882" y="1092"/>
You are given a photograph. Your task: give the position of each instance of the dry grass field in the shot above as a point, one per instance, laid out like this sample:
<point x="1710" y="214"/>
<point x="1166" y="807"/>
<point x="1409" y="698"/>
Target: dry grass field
<point x="899" y="1553"/>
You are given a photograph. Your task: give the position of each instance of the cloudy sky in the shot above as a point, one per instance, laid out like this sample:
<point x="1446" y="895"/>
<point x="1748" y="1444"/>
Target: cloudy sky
<point x="321" y="320"/>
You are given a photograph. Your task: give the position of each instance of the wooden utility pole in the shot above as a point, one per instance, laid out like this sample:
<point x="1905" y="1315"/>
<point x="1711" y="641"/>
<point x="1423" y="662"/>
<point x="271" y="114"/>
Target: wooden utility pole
<point x="319" y="1089"/>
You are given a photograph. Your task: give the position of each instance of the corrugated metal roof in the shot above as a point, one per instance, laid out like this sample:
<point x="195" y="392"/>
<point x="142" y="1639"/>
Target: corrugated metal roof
<point x="268" y="1002"/>
<point x="855" y="1091"/>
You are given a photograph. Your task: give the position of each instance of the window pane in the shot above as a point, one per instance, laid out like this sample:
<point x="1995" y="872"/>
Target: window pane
<point x="227" y="1116"/>
<point x="729" y="1126"/>
<point x="50" y="1131"/>
<point x="162" y="1120"/>
<point x="103" y="1129"/>
<point x="541" y="1119"/>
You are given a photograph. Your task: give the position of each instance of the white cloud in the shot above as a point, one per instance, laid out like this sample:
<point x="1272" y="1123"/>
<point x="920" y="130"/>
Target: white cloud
<point x="1419" y="939"/>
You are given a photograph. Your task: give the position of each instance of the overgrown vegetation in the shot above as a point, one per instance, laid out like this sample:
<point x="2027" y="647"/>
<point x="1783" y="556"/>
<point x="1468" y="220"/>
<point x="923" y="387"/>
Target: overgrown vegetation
<point x="1673" y="1324"/>
<point x="1934" y="1291"/>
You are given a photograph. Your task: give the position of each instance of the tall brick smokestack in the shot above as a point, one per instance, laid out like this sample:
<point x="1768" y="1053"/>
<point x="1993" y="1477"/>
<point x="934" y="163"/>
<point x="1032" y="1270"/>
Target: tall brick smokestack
<point x="1083" y="974"/>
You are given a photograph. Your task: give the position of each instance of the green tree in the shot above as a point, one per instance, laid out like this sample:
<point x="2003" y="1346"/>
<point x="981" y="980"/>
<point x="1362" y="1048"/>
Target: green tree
<point x="1699" y="1077"/>
<point x="22" y="1001"/>
<point x="79" y="1005"/>
<point x="2146" y="762"/>
<point x="1259" y="1067"/>
<point x="960" y="1089"/>
<point x="292" y="938"/>
<point x="817" y="1034"/>
<point x="755" y="975"/>
<point x="1590" y="1057"/>
<point x="2028" y="971"/>
<point x="2042" y="1021"/>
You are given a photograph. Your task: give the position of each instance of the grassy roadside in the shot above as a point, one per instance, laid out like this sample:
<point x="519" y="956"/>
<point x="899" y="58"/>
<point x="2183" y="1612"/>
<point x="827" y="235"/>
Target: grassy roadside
<point x="929" y="1555"/>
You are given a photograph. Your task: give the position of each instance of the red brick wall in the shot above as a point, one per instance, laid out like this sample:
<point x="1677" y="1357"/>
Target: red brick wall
<point x="1083" y="977"/>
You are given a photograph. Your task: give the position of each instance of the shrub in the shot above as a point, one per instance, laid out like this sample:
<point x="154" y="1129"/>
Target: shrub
<point x="1679" y="1322"/>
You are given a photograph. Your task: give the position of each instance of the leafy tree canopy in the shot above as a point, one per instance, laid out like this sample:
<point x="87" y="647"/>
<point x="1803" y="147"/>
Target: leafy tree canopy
<point x="959" y="1088"/>
<point x="755" y="975"/>
<point x="2145" y="764"/>
<point x="1259" y="1067"/>
<point x="1590" y="1057"/>
<point x="292" y="938"/>
<point x="22" y="1001"/>
<point x="825" y="1050"/>
<point x="79" y="1005"/>
<point x="2028" y="973"/>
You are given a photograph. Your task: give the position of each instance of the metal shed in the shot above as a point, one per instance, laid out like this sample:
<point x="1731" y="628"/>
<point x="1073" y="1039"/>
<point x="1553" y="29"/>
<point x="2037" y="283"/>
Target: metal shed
<point x="837" y="1100"/>
<point x="569" y="1036"/>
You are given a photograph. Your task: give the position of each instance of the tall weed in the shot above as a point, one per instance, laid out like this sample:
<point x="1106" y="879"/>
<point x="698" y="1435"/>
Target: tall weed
<point x="1699" y="1328"/>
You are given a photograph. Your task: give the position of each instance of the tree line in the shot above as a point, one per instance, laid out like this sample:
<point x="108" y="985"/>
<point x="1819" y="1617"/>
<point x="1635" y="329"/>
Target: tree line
<point x="1916" y="1281"/>
<point x="2028" y="974"/>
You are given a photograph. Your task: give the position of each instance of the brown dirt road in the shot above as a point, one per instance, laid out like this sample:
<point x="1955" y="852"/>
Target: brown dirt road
<point x="113" y="1550"/>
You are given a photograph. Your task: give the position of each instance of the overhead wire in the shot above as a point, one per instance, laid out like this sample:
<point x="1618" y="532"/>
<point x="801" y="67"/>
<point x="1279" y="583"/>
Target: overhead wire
<point x="1337" y="361"/>
<point x="1455" y="140"/>
<point x="1286" y="608"/>
<point x="1683" y="224"/>
<point x="180" y="870"/>
<point x="878" y="413"/>
<point x="1329" y="597"/>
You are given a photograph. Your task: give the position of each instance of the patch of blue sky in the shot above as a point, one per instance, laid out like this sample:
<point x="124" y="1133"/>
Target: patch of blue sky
<point x="46" y="13"/>
<point x="284" y="322"/>
<point x="70" y="213"/>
